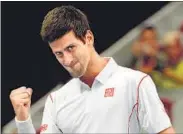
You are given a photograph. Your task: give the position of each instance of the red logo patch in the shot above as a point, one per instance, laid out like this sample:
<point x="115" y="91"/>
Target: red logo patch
<point x="43" y="127"/>
<point x="109" y="92"/>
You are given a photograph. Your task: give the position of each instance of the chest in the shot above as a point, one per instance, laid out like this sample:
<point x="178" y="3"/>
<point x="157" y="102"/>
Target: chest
<point x="94" y="109"/>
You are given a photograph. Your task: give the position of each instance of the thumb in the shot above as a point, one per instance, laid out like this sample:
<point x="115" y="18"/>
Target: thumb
<point x="29" y="91"/>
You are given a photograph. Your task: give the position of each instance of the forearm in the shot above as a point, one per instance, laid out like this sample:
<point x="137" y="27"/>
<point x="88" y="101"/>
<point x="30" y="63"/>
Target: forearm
<point x="168" y="73"/>
<point x="169" y="130"/>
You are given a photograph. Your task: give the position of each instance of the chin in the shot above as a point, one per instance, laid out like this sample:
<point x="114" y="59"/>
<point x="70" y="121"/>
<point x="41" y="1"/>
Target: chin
<point x="76" y="75"/>
<point x="79" y="73"/>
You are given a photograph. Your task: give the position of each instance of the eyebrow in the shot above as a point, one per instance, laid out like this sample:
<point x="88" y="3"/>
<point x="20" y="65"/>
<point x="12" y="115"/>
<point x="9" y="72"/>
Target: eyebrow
<point x="64" y="48"/>
<point x="69" y="46"/>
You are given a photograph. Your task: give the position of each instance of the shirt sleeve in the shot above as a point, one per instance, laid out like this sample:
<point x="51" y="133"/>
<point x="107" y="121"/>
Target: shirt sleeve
<point x="152" y="115"/>
<point x="48" y="124"/>
<point x="25" y="126"/>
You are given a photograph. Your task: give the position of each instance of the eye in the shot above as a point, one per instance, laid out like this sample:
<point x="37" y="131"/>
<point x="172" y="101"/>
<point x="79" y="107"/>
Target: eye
<point x="70" y="48"/>
<point x="60" y="54"/>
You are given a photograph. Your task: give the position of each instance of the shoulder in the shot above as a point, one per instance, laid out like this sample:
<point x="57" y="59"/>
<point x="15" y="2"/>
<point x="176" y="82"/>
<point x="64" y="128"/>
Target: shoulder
<point x="62" y="92"/>
<point x="130" y="74"/>
<point x="133" y="79"/>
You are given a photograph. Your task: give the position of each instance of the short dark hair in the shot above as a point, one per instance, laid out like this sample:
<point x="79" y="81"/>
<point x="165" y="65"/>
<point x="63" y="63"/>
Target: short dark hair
<point x="61" y="20"/>
<point x="148" y="27"/>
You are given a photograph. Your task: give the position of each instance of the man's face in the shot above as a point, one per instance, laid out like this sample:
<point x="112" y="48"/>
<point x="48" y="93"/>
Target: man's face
<point x="72" y="53"/>
<point x="148" y="35"/>
<point x="174" y="49"/>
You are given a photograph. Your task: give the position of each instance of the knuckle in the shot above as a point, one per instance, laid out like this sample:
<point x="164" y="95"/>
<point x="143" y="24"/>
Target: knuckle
<point x="11" y="93"/>
<point x="11" y="98"/>
<point x="14" y="100"/>
<point x="22" y="88"/>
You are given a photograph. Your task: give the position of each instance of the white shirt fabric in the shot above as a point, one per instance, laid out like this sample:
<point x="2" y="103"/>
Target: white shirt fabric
<point x="121" y="100"/>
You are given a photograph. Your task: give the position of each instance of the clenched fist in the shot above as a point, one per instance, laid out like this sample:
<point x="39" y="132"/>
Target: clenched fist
<point x="21" y="101"/>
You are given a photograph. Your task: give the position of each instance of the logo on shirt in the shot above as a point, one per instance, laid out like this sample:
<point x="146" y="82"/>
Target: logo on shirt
<point x="43" y="128"/>
<point x="109" y="92"/>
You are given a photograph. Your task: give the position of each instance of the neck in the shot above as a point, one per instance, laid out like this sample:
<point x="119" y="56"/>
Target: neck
<point x="96" y="65"/>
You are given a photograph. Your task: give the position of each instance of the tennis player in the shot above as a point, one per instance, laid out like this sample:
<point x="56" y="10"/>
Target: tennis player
<point x="102" y="97"/>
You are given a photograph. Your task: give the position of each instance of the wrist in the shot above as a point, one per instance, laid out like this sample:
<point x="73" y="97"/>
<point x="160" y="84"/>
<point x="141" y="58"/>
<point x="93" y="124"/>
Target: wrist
<point x="22" y="117"/>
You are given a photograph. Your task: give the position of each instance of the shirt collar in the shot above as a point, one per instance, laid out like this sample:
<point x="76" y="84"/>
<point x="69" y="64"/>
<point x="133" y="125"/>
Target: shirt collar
<point x="107" y="71"/>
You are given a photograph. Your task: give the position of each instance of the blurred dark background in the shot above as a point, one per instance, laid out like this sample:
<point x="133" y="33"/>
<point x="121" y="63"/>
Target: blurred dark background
<point x="27" y="61"/>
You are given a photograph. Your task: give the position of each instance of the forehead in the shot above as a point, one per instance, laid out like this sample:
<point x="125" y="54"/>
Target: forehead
<point x="147" y="31"/>
<point x="64" y="41"/>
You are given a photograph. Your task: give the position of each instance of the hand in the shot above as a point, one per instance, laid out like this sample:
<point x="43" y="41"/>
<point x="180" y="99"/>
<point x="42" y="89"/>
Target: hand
<point x="146" y="49"/>
<point x="21" y="101"/>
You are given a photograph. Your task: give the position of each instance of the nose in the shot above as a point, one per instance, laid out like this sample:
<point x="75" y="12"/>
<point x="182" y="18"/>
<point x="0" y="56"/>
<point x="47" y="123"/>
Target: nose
<point x="67" y="60"/>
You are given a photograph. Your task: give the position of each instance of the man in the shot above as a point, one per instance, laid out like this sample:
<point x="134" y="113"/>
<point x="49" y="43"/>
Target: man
<point x="102" y="97"/>
<point x="145" y="49"/>
<point x="169" y="75"/>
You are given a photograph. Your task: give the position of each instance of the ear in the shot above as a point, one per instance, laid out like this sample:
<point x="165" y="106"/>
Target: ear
<point x="89" y="38"/>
